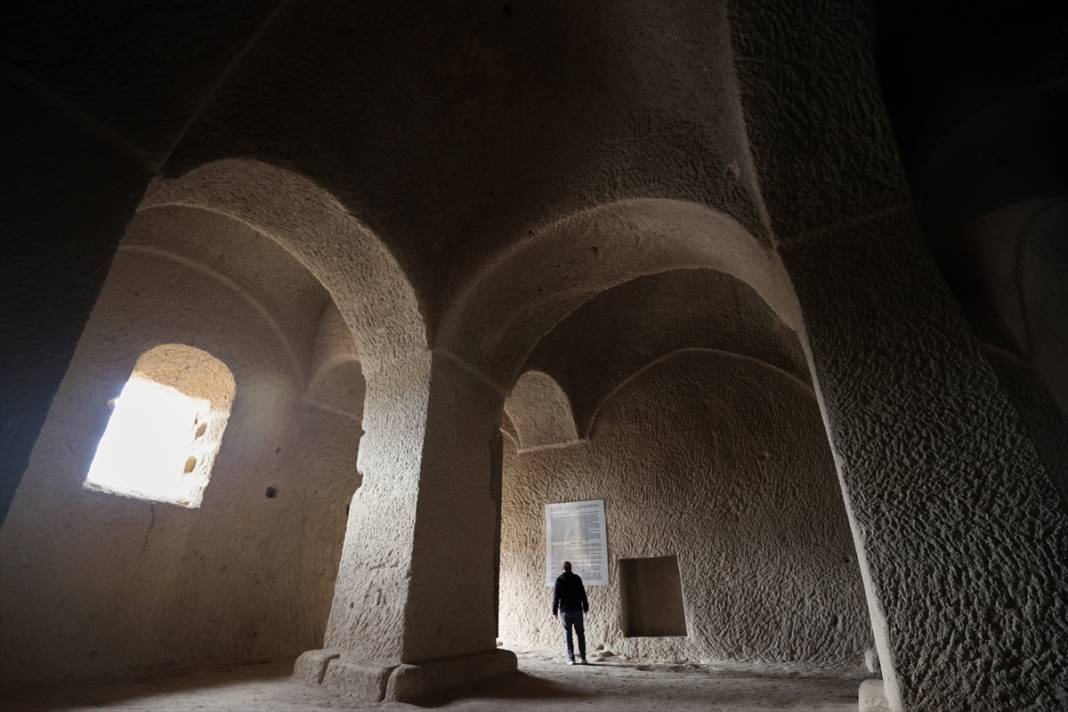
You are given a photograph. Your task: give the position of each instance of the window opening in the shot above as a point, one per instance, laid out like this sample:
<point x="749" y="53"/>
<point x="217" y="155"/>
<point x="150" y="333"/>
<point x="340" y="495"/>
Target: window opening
<point x="166" y="428"/>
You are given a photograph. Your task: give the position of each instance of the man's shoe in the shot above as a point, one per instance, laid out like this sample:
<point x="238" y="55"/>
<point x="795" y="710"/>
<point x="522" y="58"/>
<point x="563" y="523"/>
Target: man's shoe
<point x="570" y="661"/>
<point x="583" y="662"/>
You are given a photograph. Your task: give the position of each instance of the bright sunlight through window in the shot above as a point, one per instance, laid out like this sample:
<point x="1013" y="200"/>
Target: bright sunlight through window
<point x="166" y="428"/>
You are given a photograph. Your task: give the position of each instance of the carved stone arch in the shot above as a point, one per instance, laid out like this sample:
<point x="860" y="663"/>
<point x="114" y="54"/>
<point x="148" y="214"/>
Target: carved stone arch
<point x="496" y="321"/>
<point x="353" y="264"/>
<point x="540" y="412"/>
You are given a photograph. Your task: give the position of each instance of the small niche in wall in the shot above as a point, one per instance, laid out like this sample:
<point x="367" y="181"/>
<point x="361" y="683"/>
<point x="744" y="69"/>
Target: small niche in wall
<point x="652" y="597"/>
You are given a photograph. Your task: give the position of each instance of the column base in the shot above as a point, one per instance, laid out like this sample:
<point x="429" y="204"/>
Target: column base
<point x="375" y="681"/>
<point x="873" y="697"/>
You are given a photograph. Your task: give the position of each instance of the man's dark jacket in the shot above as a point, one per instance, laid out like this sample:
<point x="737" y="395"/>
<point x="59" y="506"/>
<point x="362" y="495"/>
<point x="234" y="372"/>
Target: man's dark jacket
<point x="569" y="594"/>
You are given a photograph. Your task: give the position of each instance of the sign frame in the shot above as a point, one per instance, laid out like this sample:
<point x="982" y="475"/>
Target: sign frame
<point x="579" y="510"/>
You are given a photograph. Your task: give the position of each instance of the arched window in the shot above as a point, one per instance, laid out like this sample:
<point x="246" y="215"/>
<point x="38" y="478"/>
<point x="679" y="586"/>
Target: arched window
<point x="166" y="427"/>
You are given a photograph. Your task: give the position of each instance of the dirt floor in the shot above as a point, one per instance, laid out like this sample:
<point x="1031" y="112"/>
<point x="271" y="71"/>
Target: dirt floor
<point x="543" y="683"/>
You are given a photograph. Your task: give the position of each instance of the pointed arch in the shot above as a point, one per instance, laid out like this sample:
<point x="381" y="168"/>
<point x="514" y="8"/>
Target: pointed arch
<point x="540" y="412"/>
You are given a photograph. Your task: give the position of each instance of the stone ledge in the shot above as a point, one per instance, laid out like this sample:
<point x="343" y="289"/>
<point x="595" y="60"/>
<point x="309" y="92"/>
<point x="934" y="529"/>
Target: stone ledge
<point x="311" y="666"/>
<point x="357" y="679"/>
<point x="410" y="682"/>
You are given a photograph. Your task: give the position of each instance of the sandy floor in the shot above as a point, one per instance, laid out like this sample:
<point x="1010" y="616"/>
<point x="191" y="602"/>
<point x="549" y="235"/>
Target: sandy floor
<point x="544" y="683"/>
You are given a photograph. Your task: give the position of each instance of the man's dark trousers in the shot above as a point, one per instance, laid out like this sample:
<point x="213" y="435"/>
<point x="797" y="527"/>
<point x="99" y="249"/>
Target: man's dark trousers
<point x="573" y="619"/>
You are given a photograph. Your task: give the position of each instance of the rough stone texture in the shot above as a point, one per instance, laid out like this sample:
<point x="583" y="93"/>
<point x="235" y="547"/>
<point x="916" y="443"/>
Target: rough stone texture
<point x="456" y="530"/>
<point x="310" y="667"/>
<point x="488" y="121"/>
<point x="373" y="294"/>
<point x="367" y="614"/>
<point x="288" y="298"/>
<point x="97" y="99"/>
<point x="462" y="177"/>
<point x="424" y="513"/>
<point x="622" y="330"/>
<point x="959" y="529"/>
<point x="415" y="682"/>
<point x="807" y="80"/>
<point x="1007" y="269"/>
<point x="721" y="461"/>
<point x="356" y="680"/>
<point x="98" y="585"/>
<point x="1038" y="412"/>
<point x="540" y="412"/>
<point x="505" y="310"/>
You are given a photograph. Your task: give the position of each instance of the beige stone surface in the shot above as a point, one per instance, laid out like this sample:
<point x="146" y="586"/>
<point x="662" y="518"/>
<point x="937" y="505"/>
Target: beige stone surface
<point x="539" y="412"/>
<point x="99" y="585"/>
<point x="543" y="684"/>
<point x="470" y="184"/>
<point x="721" y="461"/>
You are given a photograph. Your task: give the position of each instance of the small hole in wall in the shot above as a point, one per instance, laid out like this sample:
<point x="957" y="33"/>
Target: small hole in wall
<point x="271" y="493"/>
<point x="190" y="464"/>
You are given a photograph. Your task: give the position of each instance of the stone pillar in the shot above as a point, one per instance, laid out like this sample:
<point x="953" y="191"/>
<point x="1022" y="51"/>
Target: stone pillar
<point x="961" y="535"/>
<point x="68" y="195"/>
<point x="414" y="606"/>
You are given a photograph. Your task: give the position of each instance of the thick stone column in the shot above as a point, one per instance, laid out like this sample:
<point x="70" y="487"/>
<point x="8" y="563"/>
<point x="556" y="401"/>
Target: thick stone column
<point x="414" y="607"/>
<point x="69" y="195"/>
<point x="960" y="532"/>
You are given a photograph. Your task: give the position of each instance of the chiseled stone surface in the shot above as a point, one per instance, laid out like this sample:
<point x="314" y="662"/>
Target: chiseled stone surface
<point x="367" y="615"/>
<point x="719" y="460"/>
<point x="622" y="330"/>
<point x="424" y="521"/>
<point x="497" y="319"/>
<point x="375" y="297"/>
<point x="416" y="682"/>
<point x="450" y="610"/>
<point x="98" y="585"/>
<point x="458" y="179"/>
<point x="960" y="530"/>
<point x="540" y="411"/>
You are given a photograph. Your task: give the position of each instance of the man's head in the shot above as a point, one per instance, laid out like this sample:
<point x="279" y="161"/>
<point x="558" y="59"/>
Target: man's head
<point x="567" y="566"/>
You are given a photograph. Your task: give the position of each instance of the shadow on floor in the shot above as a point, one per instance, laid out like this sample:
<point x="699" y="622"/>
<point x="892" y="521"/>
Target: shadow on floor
<point x="107" y="693"/>
<point x="512" y="686"/>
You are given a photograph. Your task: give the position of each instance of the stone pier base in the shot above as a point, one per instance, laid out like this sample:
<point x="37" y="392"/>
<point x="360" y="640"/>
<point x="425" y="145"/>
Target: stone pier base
<point x="375" y="681"/>
<point x="873" y="697"/>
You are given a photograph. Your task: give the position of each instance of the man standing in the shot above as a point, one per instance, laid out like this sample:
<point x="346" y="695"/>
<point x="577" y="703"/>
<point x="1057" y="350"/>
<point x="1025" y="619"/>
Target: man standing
<point x="569" y="599"/>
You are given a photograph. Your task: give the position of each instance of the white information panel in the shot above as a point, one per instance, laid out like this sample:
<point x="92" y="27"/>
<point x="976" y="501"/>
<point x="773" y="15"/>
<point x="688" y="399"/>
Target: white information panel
<point x="575" y="532"/>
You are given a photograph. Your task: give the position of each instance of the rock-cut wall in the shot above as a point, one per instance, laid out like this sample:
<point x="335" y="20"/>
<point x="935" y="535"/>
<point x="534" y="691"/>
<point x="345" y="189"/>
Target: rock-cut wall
<point x="94" y="584"/>
<point x="722" y="462"/>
